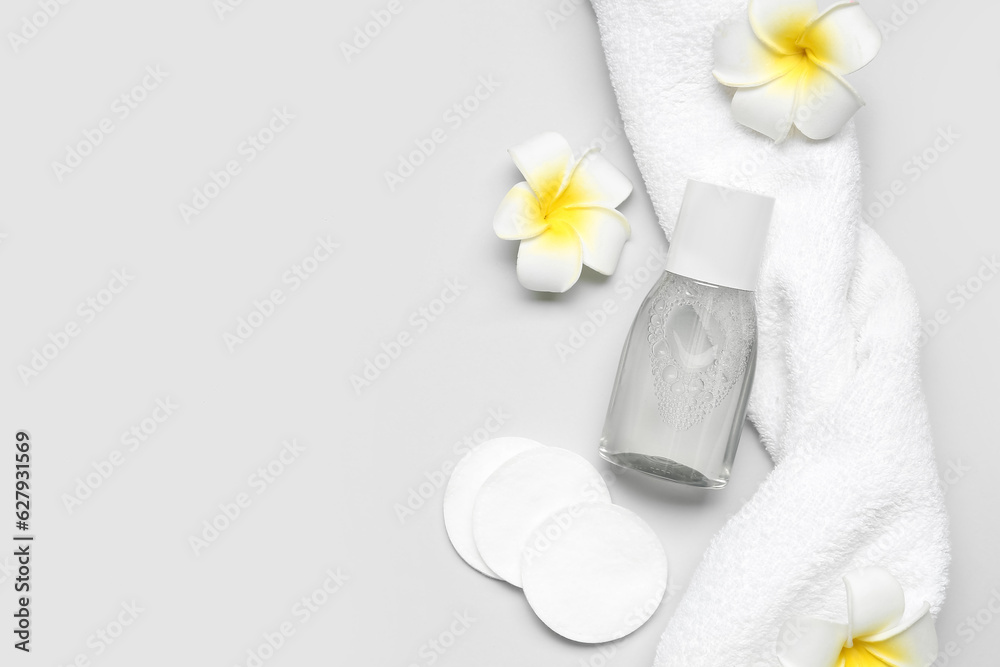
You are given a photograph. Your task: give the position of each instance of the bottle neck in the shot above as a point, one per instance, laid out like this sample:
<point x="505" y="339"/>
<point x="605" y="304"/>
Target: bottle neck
<point x="703" y="283"/>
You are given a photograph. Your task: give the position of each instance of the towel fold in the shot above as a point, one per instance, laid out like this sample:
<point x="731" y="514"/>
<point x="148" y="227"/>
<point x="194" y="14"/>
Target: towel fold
<point x="837" y="398"/>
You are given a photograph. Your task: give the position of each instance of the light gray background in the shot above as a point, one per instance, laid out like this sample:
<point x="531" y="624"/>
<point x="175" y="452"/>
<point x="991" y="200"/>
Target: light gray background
<point x="494" y="348"/>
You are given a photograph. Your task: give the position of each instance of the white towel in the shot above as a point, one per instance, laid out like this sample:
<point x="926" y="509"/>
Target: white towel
<point x="837" y="398"/>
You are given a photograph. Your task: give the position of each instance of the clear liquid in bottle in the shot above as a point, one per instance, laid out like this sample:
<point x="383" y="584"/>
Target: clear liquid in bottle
<point x="683" y="382"/>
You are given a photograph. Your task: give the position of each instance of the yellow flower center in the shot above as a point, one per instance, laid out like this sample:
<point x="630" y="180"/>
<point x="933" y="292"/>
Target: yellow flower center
<point x="813" y="43"/>
<point x="788" y="33"/>
<point x="807" y="45"/>
<point x="858" y="656"/>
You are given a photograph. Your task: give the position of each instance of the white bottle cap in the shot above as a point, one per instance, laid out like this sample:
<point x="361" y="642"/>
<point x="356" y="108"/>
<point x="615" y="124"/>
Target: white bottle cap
<point x="720" y="234"/>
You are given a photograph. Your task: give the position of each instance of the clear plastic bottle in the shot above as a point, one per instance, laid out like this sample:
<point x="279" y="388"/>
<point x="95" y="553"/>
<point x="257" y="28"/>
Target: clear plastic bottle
<point x="685" y="374"/>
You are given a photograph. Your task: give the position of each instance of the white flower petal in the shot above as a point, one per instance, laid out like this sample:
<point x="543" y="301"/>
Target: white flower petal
<point x="552" y="261"/>
<point x="913" y="644"/>
<point x="769" y="108"/>
<point x="778" y="23"/>
<point x="874" y="601"/>
<point x="519" y="215"/>
<point x="741" y="59"/>
<point x="594" y="181"/>
<point x="843" y="38"/>
<point x="602" y="231"/>
<point x="810" y="642"/>
<point x="826" y="102"/>
<point x="545" y="161"/>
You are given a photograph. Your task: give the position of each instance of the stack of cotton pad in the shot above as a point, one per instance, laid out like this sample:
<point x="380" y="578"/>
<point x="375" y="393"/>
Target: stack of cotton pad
<point x="541" y="518"/>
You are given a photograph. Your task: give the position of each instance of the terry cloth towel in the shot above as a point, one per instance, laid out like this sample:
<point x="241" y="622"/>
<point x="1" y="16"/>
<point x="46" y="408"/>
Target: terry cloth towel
<point x="837" y="398"/>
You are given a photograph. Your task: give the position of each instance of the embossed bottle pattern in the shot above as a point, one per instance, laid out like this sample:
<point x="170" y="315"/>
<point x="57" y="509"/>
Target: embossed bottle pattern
<point x="699" y="346"/>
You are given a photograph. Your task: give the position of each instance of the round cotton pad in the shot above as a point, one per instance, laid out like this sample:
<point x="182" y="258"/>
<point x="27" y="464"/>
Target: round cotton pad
<point x="521" y="494"/>
<point x="594" y="572"/>
<point x="460" y="496"/>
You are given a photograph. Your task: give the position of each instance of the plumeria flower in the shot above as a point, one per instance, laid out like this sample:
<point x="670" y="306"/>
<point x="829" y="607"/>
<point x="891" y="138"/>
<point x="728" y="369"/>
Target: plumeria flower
<point x="874" y="635"/>
<point x="563" y="213"/>
<point x="787" y="61"/>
